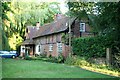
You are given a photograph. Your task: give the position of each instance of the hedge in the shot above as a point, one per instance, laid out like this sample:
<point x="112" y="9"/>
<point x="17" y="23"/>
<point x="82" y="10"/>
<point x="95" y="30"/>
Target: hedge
<point x="90" y="46"/>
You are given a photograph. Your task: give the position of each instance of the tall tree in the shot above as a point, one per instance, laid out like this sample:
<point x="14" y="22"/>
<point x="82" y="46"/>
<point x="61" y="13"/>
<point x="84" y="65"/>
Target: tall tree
<point x="80" y="9"/>
<point x="28" y="13"/>
<point x="4" y="9"/>
<point x="24" y="14"/>
<point x="105" y="19"/>
<point x="109" y="26"/>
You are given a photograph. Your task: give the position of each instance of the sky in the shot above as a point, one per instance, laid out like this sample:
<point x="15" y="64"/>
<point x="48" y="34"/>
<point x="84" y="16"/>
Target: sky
<point x="63" y="7"/>
<point x="63" y="4"/>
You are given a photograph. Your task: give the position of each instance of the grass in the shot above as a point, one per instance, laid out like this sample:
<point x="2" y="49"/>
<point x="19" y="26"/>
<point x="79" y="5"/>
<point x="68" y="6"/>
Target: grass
<point x="12" y="68"/>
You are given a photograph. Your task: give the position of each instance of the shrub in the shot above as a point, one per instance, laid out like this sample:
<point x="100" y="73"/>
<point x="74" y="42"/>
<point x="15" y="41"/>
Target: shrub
<point x="90" y="46"/>
<point x="43" y="55"/>
<point x="81" y="61"/>
<point x="20" y="57"/>
<point x="50" y="56"/>
<point x="60" y="58"/>
<point x="30" y="58"/>
<point x="70" y="60"/>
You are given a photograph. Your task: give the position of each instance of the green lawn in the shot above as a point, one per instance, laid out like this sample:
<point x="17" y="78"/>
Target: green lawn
<point x="12" y="68"/>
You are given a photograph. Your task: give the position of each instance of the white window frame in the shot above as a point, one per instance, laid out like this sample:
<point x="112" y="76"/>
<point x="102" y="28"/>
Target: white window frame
<point x="59" y="47"/>
<point x="50" y="47"/>
<point x="82" y="27"/>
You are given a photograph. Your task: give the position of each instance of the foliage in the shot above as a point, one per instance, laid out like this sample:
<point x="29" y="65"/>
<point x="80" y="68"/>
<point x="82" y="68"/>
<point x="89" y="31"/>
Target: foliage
<point x="80" y="9"/>
<point x="77" y="61"/>
<point x="81" y="61"/>
<point x="108" y="25"/>
<point x="116" y="58"/>
<point x="86" y="64"/>
<point x="30" y="58"/>
<point x="28" y="13"/>
<point x="16" y="15"/>
<point x="60" y="58"/>
<point x="65" y="38"/>
<point x="43" y="55"/>
<point x="91" y="46"/>
<point x="5" y="44"/>
<point x="14" y="41"/>
<point x="70" y="60"/>
<point x="104" y="18"/>
<point x="4" y="8"/>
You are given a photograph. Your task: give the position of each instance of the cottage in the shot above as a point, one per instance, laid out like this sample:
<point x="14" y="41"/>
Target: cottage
<point x="52" y="38"/>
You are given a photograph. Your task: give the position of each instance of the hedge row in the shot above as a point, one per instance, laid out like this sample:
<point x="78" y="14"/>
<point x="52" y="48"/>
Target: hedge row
<point x="90" y="46"/>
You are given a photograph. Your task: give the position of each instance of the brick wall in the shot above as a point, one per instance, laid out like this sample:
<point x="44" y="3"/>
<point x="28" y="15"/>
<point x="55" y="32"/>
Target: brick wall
<point x="75" y="30"/>
<point x="45" y="42"/>
<point x="87" y="32"/>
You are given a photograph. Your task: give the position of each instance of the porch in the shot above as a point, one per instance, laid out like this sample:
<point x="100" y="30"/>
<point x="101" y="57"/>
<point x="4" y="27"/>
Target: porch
<point x="27" y="48"/>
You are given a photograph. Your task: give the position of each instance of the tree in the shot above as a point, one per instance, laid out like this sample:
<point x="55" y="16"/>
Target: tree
<point x="28" y="13"/>
<point x="4" y="9"/>
<point x="109" y="20"/>
<point x="80" y="9"/>
<point x="20" y="14"/>
<point x="105" y="19"/>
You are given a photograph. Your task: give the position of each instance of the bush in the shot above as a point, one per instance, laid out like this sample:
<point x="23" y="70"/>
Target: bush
<point x="60" y="58"/>
<point x="30" y="58"/>
<point x="43" y="55"/>
<point x="81" y="61"/>
<point x="90" y="46"/>
<point x="70" y="60"/>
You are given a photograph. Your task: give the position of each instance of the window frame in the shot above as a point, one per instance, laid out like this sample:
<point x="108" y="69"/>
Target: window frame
<point x="59" y="47"/>
<point x="82" y="28"/>
<point x="50" y="47"/>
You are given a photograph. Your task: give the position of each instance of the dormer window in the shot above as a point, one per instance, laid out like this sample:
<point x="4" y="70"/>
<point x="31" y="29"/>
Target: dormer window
<point x="82" y="27"/>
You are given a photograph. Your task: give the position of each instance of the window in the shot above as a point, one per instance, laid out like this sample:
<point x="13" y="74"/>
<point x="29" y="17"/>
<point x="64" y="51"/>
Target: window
<point x="82" y="27"/>
<point x="51" y="47"/>
<point x="59" y="46"/>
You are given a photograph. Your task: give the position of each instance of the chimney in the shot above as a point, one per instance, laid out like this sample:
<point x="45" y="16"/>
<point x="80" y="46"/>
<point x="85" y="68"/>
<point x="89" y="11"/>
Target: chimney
<point x="37" y="25"/>
<point x="58" y="16"/>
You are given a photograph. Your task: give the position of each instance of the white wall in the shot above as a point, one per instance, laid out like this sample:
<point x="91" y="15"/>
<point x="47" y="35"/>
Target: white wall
<point x="22" y="50"/>
<point x="36" y="49"/>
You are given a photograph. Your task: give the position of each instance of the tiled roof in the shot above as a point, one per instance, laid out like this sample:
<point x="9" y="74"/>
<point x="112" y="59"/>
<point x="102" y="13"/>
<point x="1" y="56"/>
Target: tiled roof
<point x="32" y="30"/>
<point x="28" y="42"/>
<point x="50" y="28"/>
<point x="54" y="27"/>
